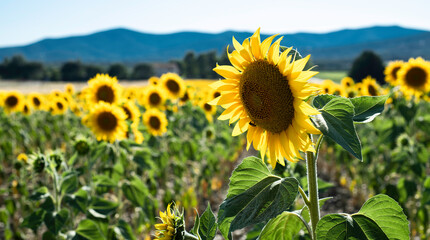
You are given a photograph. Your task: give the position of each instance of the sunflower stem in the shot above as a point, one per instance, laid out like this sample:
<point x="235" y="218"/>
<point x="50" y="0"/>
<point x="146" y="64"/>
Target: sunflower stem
<point x="305" y="198"/>
<point x="314" y="208"/>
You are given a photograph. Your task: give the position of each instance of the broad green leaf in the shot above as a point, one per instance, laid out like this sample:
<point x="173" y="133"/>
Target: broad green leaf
<point x="263" y="201"/>
<point x="379" y="218"/>
<point x="40" y="193"/>
<point x="55" y="221"/>
<point x="195" y="229"/>
<point x="367" y="107"/>
<point x="90" y="230"/>
<point x="48" y="205"/>
<point x="69" y="182"/>
<point x="34" y="220"/>
<point x="321" y="100"/>
<point x="247" y="174"/>
<point x="103" y="206"/>
<point x="125" y="230"/>
<point x="104" y="181"/>
<point x="284" y="227"/>
<point x="208" y="226"/>
<point x="78" y="200"/>
<point x="335" y="121"/>
<point x="135" y="191"/>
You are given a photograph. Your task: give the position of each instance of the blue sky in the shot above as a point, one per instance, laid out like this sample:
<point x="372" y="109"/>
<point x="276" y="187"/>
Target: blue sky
<point x="23" y="22"/>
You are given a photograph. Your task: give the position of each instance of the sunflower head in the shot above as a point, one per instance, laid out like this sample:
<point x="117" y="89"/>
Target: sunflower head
<point x="370" y="87"/>
<point x="391" y="72"/>
<point x="103" y="88"/>
<point x="58" y="105"/>
<point x="264" y="91"/>
<point x="155" y="121"/>
<point x="327" y="86"/>
<point x="13" y="101"/>
<point x="153" y="81"/>
<point x="69" y="89"/>
<point x="131" y="110"/>
<point x="22" y="157"/>
<point x="107" y="122"/>
<point x="173" y="84"/>
<point x="154" y="97"/>
<point x="347" y="82"/>
<point x="173" y="224"/>
<point x="414" y="77"/>
<point x="36" y="100"/>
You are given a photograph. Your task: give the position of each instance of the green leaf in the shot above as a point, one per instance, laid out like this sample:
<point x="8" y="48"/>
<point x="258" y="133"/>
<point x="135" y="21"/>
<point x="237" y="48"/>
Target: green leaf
<point x="135" y="191"/>
<point x="379" y="218"/>
<point x="103" y="206"/>
<point x="305" y="210"/>
<point x="69" y="182"/>
<point x="248" y="173"/>
<point x="336" y="122"/>
<point x="78" y="200"/>
<point x="55" y="221"/>
<point x="125" y="230"/>
<point x="48" y="205"/>
<point x="40" y="193"/>
<point x="208" y="226"/>
<point x="195" y="229"/>
<point x="263" y="201"/>
<point x="367" y="107"/>
<point x="88" y="229"/>
<point x="284" y="227"/>
<point x="321" y="100"/>
<point x="34" y="220"/>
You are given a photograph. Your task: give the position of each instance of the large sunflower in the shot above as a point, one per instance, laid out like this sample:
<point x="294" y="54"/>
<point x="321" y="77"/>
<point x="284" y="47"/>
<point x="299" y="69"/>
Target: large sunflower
<point x="155" y="121"/>
<point x="414" y="77"/>
<point x="391" y="72"/>
<point x="154" y="97"/>
<point x="173" y="84"/>
<point x="107" y="122"/>
<point x="13" y="101"/>
<point x="103" y="88"/>
<point x="265" y="91"/>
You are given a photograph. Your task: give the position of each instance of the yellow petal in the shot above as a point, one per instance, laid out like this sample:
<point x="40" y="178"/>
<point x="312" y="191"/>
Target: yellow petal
<point x="266" y="44"/>
<point x="273" y="55"/>
<point x="234" y="61"/>
<point x="227" y="71"/>
<point x="300" y="64"/>
<point x="304" y="107"/>
<point x="255" y="45"/>
<point x="228" y="113"/>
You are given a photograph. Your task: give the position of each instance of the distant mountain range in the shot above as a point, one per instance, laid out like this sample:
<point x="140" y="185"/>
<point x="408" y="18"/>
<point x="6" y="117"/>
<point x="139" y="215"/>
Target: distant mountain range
<point x="124" y="45"/>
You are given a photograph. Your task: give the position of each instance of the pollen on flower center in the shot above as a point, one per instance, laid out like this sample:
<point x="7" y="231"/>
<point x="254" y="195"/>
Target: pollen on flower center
<point x="107" y="121"/>
<point x="416" y="77"/>
<point x="266" y="96"/>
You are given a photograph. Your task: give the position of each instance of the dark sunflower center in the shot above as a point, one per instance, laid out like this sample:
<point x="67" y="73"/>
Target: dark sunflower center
<point x="36" y="101"/>
<point x="207" y="107"/>
<point x="394" y="72"/>
<point x="372" y="90"/>
<point x="154" y="98"/>
<point x="185" y="97"/>
<point x="11" y="101"/>
<point x="107" y="121"/>
<point x="348" y="84"/>
<point x="416" y="77"/>
<point x="326" y="90"/>
<point x="60" y="105"/>
<point x="105" y="93"/>
<point x="154" y="122"/>
<point x="351" y="94"/>
<point x="26" y="109"/>
<point x="266" y="96"/>
<point x="172" y="85"/>
<point x="217" y="94"/>
<point x="127" y="111"/>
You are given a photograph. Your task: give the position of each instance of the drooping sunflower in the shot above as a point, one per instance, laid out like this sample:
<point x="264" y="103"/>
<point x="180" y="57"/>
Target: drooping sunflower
<point x="155" y="121"/>
<point x="36" y="100"/>
<point x="370" y="87"/>
<point x="107" y="122"/>
<point x="13" y="101"/>
<point x="264" y="91"/>
<point x="414" y="77"/>
<point x="131" y="110"/>
<point x="391" y="72"/>
<point x="154" y="97"/>
<point x="103" y="88"/>
<point x="173" y="84"/>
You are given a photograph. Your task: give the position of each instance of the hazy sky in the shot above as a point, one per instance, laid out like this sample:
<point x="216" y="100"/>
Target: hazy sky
<point x="23" y="22"/>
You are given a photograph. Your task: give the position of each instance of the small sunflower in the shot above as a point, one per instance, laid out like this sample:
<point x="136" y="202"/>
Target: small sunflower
<point x="414" y="77"/>
<point x="70" y="89"/>
<point x="22" y="157"/>
<point x="26" y="108"/>
<point x="347" y="82"/>
<point x="36" y="100"/>
<point x="327" y="86"/>
<point x="173" y="84"/>
<point x="154" y="97"/>
<point x="208" y="109"/>
<point x="265" y="91"/>
<point x="153" y="81"/>
<point x="107" y="122"/>
<point x="131" y="110"/>
<point x="370" y="87"/>
<point x="173" y="223"/>
<point x="103" y="88"/>
<point x="58" y="105"/>
<point x="138" y="136"/>
<point x="13" y="101"/>
<point x="156" y="121"/>
<point x="391" y="72"/>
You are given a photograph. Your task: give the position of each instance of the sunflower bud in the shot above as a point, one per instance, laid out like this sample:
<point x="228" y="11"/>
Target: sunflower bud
<point x="173" y="226"/>
<point x="56" y="158"/>
<point x="82" y="146"/>
<point x="39" y="163"/>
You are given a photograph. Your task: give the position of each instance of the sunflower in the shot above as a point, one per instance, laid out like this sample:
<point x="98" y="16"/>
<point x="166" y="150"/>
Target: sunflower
<point x="347" y="82"/>
<point x="69" y="89"/>
<point x="414" y="77"/>
<point x="103" y="88"/>
<point x="36" y="100"/>
<point x="154" y="97"/>
<point x="370" y="87"/>
<point x="138" y="136"/>
<point x="26" y="108"/>
<point x="173" y="84"/>
<point x="208" y="109"/>
<point x="13" y="101"/>
<point x="327" y="86"/>
<point x="173" y="223"/>
<point x="107" y="122"/>
<point x="391" y="72"/>
<point x="264" y="91"/>
<point x="156" y="121"/>
<point x="131" y="110"/>
<point x="58" y="105"/>
<point x="153" y="81"/>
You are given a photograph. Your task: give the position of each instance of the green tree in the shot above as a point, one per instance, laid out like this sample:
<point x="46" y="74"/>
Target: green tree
<point x="142" y="71"/>
<point x="191" y="69"/>
<point x="93" y="70"/>
<point x="367" y="64"/>
<point x="73" y="71"/>
<point x="119" y="70"/>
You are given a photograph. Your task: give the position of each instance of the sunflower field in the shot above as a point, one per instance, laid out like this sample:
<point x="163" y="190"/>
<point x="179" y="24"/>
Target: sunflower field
<point x="160" y="161"/>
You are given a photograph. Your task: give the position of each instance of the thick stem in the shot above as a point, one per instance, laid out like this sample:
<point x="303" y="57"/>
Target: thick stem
<point x="314" y="208"/>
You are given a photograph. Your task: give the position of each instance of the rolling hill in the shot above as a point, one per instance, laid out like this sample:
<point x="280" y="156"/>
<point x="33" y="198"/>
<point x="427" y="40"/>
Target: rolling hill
<point x="124" y="45"/>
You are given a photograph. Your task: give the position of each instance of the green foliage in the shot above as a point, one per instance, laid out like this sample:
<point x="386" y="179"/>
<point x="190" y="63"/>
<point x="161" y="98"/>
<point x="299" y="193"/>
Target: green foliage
<point x="142" y="71"/>
<point x="367" y="64"/>
<point x="118" y="70"/>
